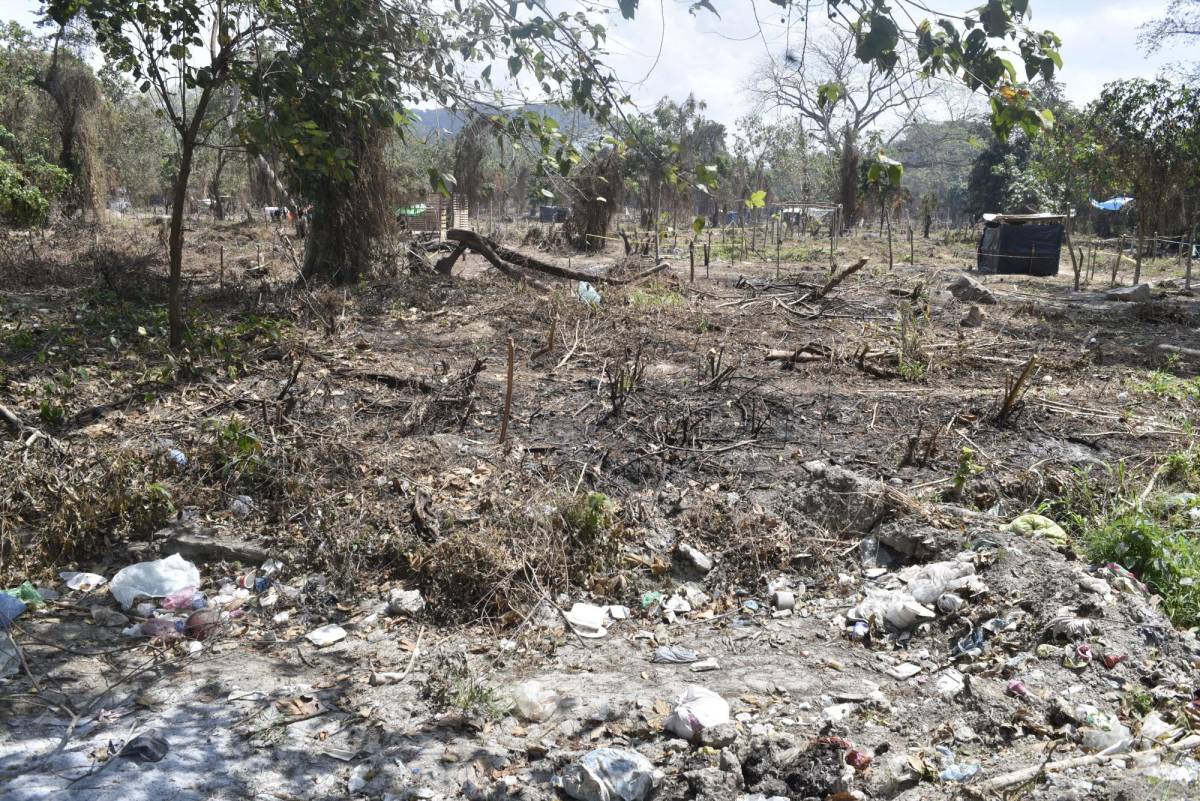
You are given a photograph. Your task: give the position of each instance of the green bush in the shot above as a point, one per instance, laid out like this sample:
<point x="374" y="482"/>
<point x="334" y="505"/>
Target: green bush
<point x="1167" y="561"/>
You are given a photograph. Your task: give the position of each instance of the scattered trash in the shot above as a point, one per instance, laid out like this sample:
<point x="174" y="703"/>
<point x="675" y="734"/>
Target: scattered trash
<point x="84" y="582"/>
<point x="202" y="624"/>
<point x="1038" y="526"/>
<point x="696" y="559"/>
<point x="905" y="670"/>
<point x="896" y="608"/>
<point x="10" y="609"/>
<point x="26" y="593"/>
<point x="534" y="702"/>
<point x="359" y="777"/>
<point x="148" y="747"/>
<point x="159" y="628"/>
<point x="10" y="657"/>
<point x="1017" y="689"/>
<point x="1112" y="660"/>
<point x="326" y="635"/>
<point x="706" y="665"/>
<point x="587" y="293"/>
<point x="177" y="458"/>
<point x="153" y="579"/>
<point x="697" y="709"/>
<point x="674" y="655"/>
<point x="590" y="620"/>
<point x="241" y="506"/>
<point x="783" y="600"/>
<point x="1078" y="657"/>
<point x="948" y="603"/>
<point x="649" y="599"/>
<point x="858" y="759"/>
<point x="611" y="774"/>
<point x="182" y="599"/>
<point x="1071" y="628"/>
<point x="1101" y="731"/>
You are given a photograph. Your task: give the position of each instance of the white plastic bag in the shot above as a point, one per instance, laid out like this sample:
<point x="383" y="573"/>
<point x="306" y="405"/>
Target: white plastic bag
<point x="698" y="709"/>
<point x="611" y="774"/>
<point x="82" y="581"/>
<point x="153" y="579"/>
<point x="534" y="702"/>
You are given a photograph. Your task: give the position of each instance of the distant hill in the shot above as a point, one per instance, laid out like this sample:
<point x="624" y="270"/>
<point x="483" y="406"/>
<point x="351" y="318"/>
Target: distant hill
<point x="451" y="121"/>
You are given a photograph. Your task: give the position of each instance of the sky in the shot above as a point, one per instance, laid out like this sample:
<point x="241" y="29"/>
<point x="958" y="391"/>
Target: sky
<point x="714" y="57"/>
<point x="668" y="52"/>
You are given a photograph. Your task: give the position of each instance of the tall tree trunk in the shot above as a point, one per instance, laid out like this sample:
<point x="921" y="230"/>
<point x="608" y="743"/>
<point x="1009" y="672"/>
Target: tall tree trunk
<point x="175" y="243"/>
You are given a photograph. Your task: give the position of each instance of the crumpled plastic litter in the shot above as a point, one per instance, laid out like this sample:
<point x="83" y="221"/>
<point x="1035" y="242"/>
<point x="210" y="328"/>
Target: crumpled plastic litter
<point x="954" y="771"/>
<point x="587" y="293"/>
<point x="674" y="655"/>
<point x="83" y="582"/>
<point x="10" y="659"/>
<point x="697" y="709"/>
<point x="938" y="578"/>
<point x="1101" y="732"/>
<point x="534" y="702"/>
<point x="148" y="747"/>
<point x="592" y="621"/>
<point x="10" y="609"/>
<point x="153" y="579"/>
<point x="159" y="628"/>
<point x="1071" y="628"/>
<point x="326" y="635"/>
<point x="897" y="608"/>
<point x="611" y="774"/>
<point x="182" y="599"/>
<point x="1034" y="525"/>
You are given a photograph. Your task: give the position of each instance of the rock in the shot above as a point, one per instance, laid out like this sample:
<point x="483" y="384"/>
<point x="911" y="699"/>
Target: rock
<point x="720" y="736"/>
<point x="201" y="544"/>
<point x="729" y="762"/>
<point x="1138" y="293"/>
<point x="326" y="635"/>
<point x="712" y="784"/>
<point x="693" y="559"/>
<point x="405" y="602"/>
<point x="839" y="498"/>
<point x="973" y="318"/>
<point x="969" y="290"/>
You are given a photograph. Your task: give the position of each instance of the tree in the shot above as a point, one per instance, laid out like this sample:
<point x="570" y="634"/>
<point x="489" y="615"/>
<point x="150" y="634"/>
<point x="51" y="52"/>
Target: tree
<point x="1179" y="25"/>
<point x="159" y="43"/>
<point x="27" y="188"/>
<point x="831" y="89"/>
<point x="1150" y="135"/>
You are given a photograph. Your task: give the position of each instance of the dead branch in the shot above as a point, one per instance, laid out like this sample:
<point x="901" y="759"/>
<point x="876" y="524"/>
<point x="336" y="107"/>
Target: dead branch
<point x="393" y="381"/>
<point x="499" y="254"/>
<point x="11" y="422"/>
<point x="508" y="387"/>
<point x="812" y="352"/>
<point x="1013" y="394"/>
<point x="832" y="283"/>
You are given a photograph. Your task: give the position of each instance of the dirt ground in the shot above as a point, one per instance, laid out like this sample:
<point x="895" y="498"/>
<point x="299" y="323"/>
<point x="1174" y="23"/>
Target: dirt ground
<point x="828" y="446"/>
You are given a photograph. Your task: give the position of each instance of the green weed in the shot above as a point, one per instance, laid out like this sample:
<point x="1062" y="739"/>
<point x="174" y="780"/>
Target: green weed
<point x="1167" y="561"/>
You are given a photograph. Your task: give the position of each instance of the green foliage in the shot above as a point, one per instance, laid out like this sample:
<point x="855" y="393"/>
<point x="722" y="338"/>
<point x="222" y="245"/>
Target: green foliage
<point x="1167" y="561"/>
<point x="28" y="188"/>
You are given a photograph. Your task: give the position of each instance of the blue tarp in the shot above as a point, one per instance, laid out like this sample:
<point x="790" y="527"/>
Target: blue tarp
<point x="1112" y="204"/>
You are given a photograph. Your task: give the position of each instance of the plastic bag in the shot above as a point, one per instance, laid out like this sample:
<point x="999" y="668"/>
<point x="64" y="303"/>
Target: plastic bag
<point x="611" y="774"/>
<point x="10" y="609"/>
<point x="153" y="579"/>
<point x="1037" y="526"/>
<point x="82" y="581"/>
<point x="535" y="702"/>
<point x="698" y="709"/>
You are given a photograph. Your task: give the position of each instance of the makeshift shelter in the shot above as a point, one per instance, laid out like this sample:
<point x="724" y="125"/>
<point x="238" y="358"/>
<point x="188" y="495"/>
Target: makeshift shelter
<point x="1021" y="244"/>
<point x="1112" y="204"/>
<point x="436" y="215"/>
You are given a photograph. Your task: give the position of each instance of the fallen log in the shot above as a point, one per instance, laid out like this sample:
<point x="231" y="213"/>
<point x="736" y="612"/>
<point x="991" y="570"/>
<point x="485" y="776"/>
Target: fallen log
<point x="806" y="353"/>
<point x="1179" y="351"/>
<point x="497" y="254"/>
